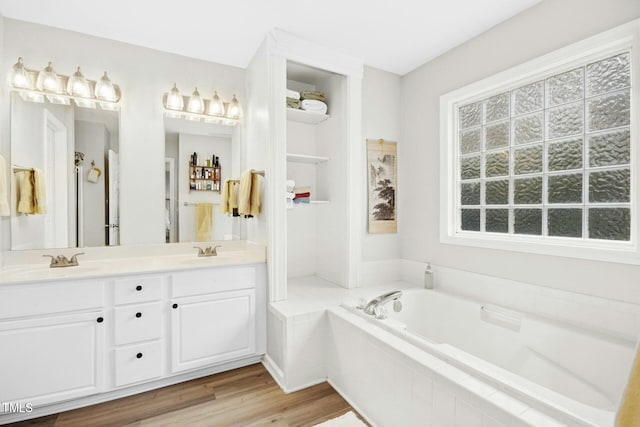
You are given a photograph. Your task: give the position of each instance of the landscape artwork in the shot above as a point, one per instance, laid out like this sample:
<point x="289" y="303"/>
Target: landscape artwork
<point x="382" y="172"/>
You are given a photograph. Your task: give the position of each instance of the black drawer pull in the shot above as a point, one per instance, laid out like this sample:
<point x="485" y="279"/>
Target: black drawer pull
<point x="99" y="319"/>
<point x="175" y="305"/>
<point x="139" y="288"/>
<point x="139" y="355"/>
<point x="138" y="315"/>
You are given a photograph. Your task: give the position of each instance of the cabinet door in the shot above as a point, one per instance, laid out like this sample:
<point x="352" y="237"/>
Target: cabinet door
<point x="212" y="329"/>
<point x="51" y="359"/>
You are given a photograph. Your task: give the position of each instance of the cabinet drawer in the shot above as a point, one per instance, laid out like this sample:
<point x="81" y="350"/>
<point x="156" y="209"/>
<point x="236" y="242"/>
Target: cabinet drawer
<point x="49" y="298"/>
<point x="138" y="289"/>
<point x="140" y="322"/>
<point x="138" y="362"/>
<point x="202" y="282"/>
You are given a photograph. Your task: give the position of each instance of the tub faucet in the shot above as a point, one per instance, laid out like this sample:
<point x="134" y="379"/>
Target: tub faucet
<point x="373" y="307"/>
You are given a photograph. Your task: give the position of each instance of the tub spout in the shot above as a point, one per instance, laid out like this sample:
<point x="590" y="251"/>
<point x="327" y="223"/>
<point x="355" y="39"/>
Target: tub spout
<point x="373" y="306"/>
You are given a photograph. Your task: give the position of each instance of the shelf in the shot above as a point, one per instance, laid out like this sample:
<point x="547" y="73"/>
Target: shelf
<point x="305" y="158"/>
<point x="203" y="166"/>
<point x="312" y="202"/>
<point x="302" y="116"/>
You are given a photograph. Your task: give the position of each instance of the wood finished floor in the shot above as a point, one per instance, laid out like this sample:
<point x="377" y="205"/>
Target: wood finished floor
<point x="244" y="397"/>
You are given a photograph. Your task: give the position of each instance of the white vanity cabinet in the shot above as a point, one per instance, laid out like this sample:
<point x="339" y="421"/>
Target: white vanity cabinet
<point x="71" y="343"/>
<point x="213" y="316"/>
<point x="52" y="341"/>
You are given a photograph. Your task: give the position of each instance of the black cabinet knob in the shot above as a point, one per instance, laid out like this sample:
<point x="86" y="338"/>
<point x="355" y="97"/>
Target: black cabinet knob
<point x="138" y="315"/>
<point x="99" y="320"/>
<point x="175" y="305"/>
<point x="139" y="355"/>
<point x="139" y="288"/>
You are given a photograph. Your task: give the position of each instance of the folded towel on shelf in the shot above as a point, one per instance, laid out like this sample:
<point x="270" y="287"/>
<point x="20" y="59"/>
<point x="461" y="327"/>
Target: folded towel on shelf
<point x="204" y="221"/>
<point x="249" y="196"/>
<point x="293" y="94"/>
<point x="303" y="189"/>
<point x="314" y="106"/>
<point x="4" y="190"/>
<point x="293" y="103"/>
<point x="290" y="195"/>
<point x="298" y="195"/>
<point x="32" y="193"/>
<point x="299" y="200"/>
<point x="313" y="94"/>
<point x="629" y="411"/>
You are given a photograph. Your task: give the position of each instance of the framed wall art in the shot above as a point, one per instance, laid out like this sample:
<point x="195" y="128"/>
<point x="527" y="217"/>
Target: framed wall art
<point x="382" y="178"/>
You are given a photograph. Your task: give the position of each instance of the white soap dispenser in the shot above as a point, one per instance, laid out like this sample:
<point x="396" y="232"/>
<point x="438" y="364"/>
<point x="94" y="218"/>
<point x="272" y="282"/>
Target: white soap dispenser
<point x="428" y="276"/>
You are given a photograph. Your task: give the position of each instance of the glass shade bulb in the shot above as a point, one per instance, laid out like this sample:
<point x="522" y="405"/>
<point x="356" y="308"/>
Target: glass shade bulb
<point x="174" y="99"/>
<point x="196" y="103"/>
<point x="216" y="108"/>
<point x="78" y="86"/>
<point x="105" y="91"/>
<point x="234" y="110"/>
<point x="47" y="80"/>
<point x="19" y="76"/>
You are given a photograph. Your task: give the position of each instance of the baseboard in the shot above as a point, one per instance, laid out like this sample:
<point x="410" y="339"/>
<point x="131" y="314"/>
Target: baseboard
<point x="351" y="402"/>
<point x="279" y="376"/>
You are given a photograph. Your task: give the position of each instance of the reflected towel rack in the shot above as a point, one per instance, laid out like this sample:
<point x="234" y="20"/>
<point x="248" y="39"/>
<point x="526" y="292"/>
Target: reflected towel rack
<point x="256" y="172"/>
<point x="17" y="169"/>
<point x="194" y="204"/>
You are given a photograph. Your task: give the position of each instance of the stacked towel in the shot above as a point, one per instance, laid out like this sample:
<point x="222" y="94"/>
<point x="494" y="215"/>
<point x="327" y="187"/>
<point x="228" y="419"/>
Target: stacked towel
<point x="302" y="195"/>
<point x="313" y="94"/>
<point x="314" y="106"/>
<point x="249" y="197"/>
<point x="293" y="99"/>
<point x="204" y="221"/>
<point x="4" y="191"/>
<point x="32" y="200"/>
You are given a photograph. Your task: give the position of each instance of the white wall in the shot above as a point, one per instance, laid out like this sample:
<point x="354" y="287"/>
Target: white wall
<point x="205" y="146"/>
<point x="144" y="75"/>
<point x="545" y="27"/>
<point x="381" y="113"/>
<point x="93" y="140"/>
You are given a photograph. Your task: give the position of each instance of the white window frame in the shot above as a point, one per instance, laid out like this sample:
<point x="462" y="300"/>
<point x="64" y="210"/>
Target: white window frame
<point x="624" y="37"/>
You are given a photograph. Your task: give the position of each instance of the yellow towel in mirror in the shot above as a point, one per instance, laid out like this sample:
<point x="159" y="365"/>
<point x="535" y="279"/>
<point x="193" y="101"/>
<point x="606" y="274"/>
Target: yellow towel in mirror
<point x="4" y="189"/>
<point x="225" y="196"/>
<point x="204" y="221"/>
<point x="32" y="200"/>
<point x="629" y="412"/>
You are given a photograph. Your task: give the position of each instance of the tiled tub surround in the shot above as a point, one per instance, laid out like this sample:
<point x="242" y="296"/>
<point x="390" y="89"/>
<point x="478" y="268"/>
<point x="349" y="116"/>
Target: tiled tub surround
<point x="572" y="352"/>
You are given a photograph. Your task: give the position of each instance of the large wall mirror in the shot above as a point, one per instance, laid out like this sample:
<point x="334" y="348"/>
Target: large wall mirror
<point x="191" y="180"/>
<point x="75" y="151"/>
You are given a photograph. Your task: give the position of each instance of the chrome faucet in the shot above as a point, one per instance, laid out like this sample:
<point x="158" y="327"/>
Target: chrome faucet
<point x="62" y="261"/>
<point x="208" y="251"/>
<point x="374" y="307"/>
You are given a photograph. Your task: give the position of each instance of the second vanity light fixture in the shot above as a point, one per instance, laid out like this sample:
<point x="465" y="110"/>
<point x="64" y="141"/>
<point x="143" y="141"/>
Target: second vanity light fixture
<point x="196" y="108"/>
<point x="60" y="89"/>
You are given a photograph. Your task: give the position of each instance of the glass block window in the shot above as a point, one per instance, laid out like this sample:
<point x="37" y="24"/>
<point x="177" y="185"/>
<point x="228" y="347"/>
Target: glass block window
<point x="551" y="157"/>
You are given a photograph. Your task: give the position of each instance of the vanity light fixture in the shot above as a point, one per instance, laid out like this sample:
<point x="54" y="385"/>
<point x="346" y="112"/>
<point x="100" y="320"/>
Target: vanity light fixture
<point x="216" y="108"/>
<point x="198" y="108"/>
<point x="234" y="110"/>
<point x="196" y="103"/>
<point x="50" y="85"/>
<point x="19" y="76"/>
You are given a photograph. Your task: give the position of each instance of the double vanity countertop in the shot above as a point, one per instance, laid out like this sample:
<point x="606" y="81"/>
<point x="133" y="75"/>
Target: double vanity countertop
<point x="116" y="261"/>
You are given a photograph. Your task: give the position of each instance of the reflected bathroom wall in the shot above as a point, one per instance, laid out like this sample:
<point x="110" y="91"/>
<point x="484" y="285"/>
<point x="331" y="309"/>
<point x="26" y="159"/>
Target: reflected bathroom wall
<point x="188" y="184"/>
<point x="71" y="149"/>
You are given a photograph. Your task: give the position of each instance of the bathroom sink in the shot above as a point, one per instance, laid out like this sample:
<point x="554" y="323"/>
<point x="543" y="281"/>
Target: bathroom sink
<point x="204" y="261"/>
